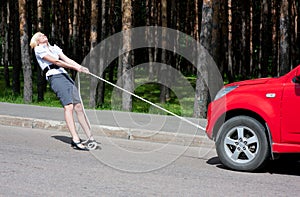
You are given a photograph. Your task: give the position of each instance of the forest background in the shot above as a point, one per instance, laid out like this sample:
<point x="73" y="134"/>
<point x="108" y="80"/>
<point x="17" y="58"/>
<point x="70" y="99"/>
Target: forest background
<point x="247" y="39"/>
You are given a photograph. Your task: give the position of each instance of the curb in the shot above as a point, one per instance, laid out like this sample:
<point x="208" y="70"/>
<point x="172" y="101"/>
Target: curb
<point x="115" y="132"/>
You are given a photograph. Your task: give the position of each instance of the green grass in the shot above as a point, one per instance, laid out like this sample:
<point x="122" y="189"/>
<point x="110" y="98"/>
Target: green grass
<point x="8" y="96"/>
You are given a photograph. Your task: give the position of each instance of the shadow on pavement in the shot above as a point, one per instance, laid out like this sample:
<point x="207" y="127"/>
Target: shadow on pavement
<point x="64" y="139"/>
<point x="288" y="164"/>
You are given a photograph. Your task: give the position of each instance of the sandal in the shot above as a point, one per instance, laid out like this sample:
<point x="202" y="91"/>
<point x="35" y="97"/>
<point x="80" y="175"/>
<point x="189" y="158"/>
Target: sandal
<point x="78" y="145"/>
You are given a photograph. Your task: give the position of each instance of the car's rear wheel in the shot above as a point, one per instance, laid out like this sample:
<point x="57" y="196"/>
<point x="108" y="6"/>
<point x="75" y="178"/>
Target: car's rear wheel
<point x="242" y="144"/>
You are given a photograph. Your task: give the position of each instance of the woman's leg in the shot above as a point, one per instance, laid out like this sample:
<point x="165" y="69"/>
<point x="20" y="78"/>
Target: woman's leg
<point x="83" y="120"/>
<point x="70" y="122"/>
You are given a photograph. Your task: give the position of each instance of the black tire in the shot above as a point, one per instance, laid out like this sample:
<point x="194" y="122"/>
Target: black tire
<point x="242" y="144"/>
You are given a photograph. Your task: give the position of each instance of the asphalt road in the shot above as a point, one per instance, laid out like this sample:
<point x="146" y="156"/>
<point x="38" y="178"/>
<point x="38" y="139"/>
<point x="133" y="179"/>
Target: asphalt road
<point x="36" y="162"/>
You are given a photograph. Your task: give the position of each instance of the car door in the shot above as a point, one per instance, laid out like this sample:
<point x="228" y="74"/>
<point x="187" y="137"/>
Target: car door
<point x="290" y="111"/>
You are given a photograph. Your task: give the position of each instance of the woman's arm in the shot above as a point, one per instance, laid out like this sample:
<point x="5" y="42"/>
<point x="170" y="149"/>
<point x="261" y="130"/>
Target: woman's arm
<point x="66" y="62"/>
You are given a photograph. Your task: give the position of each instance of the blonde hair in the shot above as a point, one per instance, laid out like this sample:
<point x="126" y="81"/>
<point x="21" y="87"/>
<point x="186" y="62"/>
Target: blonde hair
<point x="34" y="39"/>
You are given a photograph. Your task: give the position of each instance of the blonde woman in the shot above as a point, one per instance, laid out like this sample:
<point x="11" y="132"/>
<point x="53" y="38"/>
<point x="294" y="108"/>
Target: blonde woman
<point x="52" y="61"/>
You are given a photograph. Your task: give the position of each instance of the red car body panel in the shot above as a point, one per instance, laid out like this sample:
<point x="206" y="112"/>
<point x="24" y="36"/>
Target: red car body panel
<point x="275" y="101"/>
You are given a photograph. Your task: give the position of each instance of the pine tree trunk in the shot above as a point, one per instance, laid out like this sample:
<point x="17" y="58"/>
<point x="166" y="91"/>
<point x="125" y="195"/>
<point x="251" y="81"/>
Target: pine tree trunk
<point x="93" y="60"/>
<point x="155" y="22"/>
<point x="266" y="36"/>
<point x="75" y="28"/>
<point x="41" y="81"/>
<point x="47" y="13"/>
<point x="196" y="23"/>
<point x="111" y="31"/>
<point x="40" y="14"/>
<point x="177" y="15"/>
<point x="53" y="19"/>
<point x="223" y="66"/>
<point x="126" y="58"/>
<point x="216" y="42"/>
<point x="275" y="33"/>
<point x="149" y="15"/>
<point x="27" y="72"/>
<point x="284" y="61"/>
<point x="163" y="74"/>
<point x="236" y="36"/>
<point x="16" y="60"/>
<point x="101" y="85"/>
<point x="201" y="95"/>
<point x="5" y="48"/>
<point x="230" y="73"/>
<point x="256" y="44"/>
<point x="187" y="15"/>
<point x="245" y="57"/>
<point x="294" y="51"/>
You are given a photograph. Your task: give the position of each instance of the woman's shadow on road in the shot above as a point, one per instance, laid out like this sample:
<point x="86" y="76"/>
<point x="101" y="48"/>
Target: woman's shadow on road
<point x="285" y="165"/>
<point x="63" y="139"/>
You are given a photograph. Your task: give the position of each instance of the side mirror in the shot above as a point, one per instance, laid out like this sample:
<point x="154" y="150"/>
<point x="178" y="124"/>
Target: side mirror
<point x="296" y="79"/>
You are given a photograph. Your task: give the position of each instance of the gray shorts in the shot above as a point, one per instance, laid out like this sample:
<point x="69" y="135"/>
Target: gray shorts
<point x="65" y="89"/>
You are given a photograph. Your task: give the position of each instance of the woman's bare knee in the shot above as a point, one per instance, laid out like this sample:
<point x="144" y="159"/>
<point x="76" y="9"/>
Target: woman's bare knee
<point x="69" y="108"/>
<point x="78" y="107"/>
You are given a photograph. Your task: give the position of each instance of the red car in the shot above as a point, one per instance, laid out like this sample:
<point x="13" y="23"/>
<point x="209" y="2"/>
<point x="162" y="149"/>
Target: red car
<point x="252" y="121"/>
